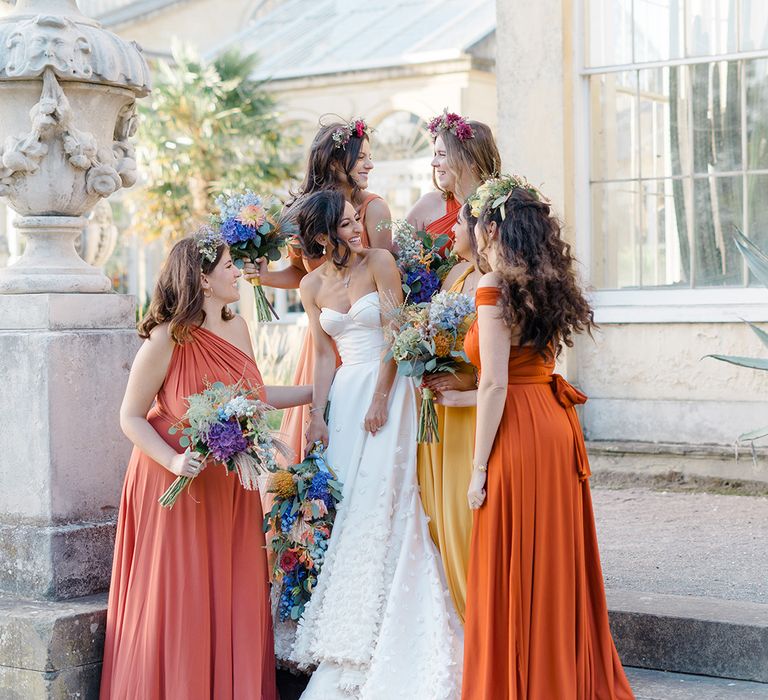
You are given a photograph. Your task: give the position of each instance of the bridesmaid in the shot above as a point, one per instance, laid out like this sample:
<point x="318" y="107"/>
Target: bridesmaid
<point x="444" y="467"/>
<point x="465" y="155"/>
<point x="340" y="159"/>
<point x="189" y="615"/>
<point x="536" y="617"/>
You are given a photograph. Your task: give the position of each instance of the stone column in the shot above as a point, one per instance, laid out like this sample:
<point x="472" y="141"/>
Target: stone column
<point x="67" y="112"/>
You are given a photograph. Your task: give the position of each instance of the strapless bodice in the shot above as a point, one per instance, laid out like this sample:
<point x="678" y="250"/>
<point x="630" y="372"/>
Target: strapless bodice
<point x="358" y="334"/>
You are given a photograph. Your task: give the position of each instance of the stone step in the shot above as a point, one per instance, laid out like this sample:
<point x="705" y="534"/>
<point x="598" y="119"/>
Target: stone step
<point x="688" y="634"/>
<point x="661" y="685"/>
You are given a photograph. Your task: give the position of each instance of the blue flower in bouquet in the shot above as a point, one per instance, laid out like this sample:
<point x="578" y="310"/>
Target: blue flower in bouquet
<point x="234" y="231"/>
<point x="226" y="439"/>
<point x="427" y="282"/>
<point x="318" y="489"/>
<point x="287" y="519"/>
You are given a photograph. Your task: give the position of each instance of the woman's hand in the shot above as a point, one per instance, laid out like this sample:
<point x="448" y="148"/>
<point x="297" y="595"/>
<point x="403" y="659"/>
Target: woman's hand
<point x="254" y="270"/>
<point x="476" y="492"/>
<point x="317" y="430"/>
<point x="447" y="381"/>
<point x="457" y="399"/>
<point x="377" y="415"/>
<point x="188" y="464"/>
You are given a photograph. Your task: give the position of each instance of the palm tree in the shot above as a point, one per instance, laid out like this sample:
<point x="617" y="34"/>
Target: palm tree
<point x="208" y="127"/>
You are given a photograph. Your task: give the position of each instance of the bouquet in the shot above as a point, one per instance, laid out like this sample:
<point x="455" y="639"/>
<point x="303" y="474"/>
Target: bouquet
<point x="429" y="338"/>
<point x="227" y="424"/>
<point x="306" y="496"/>
<point x="252" y="228"/>
<point x="423" y="261"/>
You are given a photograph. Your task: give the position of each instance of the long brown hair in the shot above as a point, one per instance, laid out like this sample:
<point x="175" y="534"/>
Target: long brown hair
<point x="478" y="155"/>
<point x="540" y="294"/>
<point x="321" y="214"/>
<point x="178" y="295"/>
<point x="327" y="162"/>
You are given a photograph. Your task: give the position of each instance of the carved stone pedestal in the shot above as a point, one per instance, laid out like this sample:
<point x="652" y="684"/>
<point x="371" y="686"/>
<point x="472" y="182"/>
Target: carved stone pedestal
<point x="64" y="362"/>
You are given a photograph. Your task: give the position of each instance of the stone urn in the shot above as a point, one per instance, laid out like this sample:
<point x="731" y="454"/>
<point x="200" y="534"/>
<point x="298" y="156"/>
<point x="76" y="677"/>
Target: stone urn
<point x="68" y="91"/>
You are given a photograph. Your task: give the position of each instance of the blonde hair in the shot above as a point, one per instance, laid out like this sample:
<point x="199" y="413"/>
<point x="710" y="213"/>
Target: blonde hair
<point x="478" y="156"/>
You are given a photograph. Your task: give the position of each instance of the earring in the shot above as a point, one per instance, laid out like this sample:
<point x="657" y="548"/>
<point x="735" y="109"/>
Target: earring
<point x="209" y="295"/>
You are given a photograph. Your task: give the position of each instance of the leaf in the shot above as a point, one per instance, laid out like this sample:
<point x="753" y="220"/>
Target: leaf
<point x="759" y="332"/>
<point x="295" y="612"/>
<point x="295" y="507"/>
<point x="405" y="368"/>
<point x="274" y="255"/>
<point x="754" y="434"/>
<point x="441" y="241"/>
<point x="752" y="362"/>
<point x="284" y="507"/>
<point x="756" y="259"/>
<point x="184" y="441"/>
<point x="239" y="263"/>
<point x="431" y="364"/>
<point x="218" y="385"/>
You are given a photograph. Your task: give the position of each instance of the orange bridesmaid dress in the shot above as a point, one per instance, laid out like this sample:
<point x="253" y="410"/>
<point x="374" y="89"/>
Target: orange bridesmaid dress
<point x="536" y="620"/>
<point x="444" y="225"/>
<point x="295" y="420"/>
<point x="189" y="615"/>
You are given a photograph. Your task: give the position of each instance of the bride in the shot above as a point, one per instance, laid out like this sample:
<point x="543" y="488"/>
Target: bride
<point x="380" y="623"/>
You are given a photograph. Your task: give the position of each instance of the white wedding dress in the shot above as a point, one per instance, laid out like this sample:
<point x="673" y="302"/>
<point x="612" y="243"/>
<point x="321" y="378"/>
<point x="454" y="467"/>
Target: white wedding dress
<point x="380" y="623"/>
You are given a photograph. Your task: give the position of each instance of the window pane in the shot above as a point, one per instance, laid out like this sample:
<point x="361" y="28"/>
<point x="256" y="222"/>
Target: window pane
<point x="756" y="76"/>
<point x="716" y="116"/>
<point x="615" y="239"/>
<point x="665" y="245"/>
<point x="609" y="27"/>
<point x="711" y="26"/>
<point x="655" y="130"/>
<point x="757" y="211"/>
<point x="754" y="25"/>
<point x="658" y="29"/>
<point x="614" y="126"/>
<point x="717" y="211"/>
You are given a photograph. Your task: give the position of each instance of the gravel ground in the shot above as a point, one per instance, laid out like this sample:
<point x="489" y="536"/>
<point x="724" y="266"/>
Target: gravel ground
<point x="696" y="544"/>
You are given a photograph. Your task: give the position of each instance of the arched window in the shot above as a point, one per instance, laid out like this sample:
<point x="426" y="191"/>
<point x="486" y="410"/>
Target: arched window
<point x="401" y="136"/>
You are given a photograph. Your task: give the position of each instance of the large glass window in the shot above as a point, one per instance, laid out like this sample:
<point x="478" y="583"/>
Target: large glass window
<point x="678" y="105"/>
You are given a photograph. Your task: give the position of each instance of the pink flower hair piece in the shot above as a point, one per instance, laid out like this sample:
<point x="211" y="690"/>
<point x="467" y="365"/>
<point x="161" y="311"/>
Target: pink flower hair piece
<point x="450" y="121"/>
<point x="357" y="128"/>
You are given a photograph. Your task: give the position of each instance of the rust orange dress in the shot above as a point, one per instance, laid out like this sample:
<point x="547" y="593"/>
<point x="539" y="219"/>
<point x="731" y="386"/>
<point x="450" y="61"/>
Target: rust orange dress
<point x="189" y="615"/>
<point x="536" y="619"/>
<point x="296" y="419"/>
<point x="444" y="225"/>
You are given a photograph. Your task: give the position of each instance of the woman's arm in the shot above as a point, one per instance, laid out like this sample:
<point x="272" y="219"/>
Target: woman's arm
<point x="386" y="277"/>
<point x="325" y="365"/>
<point x="429" y="207"/>
<point x="288" y="278"/>
<point x="377" y="213"/>
<point x="144" y="381"/>
<point x="457" y="398"/>
<point x="495" y="339"/>
<point x="288" y="396"/>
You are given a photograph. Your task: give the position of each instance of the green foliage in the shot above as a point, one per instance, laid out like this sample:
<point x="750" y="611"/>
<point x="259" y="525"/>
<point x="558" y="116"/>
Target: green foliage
<point x="208" y="127"/>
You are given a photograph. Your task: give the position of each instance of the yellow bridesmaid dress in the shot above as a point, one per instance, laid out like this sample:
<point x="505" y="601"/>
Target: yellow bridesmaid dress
<point x="444" y="469"/>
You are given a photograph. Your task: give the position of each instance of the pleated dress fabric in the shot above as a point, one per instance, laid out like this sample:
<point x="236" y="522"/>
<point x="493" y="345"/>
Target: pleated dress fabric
<point x="536" y="618"/>
<point x="189" y="615"/>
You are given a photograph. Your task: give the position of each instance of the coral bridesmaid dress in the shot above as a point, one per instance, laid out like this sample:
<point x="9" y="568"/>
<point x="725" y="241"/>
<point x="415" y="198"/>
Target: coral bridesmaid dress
<point x="296" y="419"/>
<point x="444" y="469"/>
<point x="189" y="615"/>
<point x="444" y="225"/>
<point x="536" y="618"/>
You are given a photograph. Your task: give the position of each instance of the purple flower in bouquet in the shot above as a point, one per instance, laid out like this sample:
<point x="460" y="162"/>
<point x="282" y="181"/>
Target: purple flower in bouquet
<point x="318" y="489"/>
<point x="226" y="439"/>
<point x="234" y="231"/>
<point x="426" y="283"/>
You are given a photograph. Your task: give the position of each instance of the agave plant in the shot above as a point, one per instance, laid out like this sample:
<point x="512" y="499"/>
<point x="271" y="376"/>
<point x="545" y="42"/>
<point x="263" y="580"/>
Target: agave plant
<point x="757" y="261"/>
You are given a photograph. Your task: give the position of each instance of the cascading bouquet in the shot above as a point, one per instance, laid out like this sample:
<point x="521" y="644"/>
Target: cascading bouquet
<point x="423" y="260"/>
<point x="253" y="228"/>
<point x="429" y="338"/>
<point x="301" y="518"/>
<point x="227" y="424"/>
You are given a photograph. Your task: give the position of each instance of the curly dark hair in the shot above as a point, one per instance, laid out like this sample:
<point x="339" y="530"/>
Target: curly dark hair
<point x="178" y="295"/>
<point x="540" y="294"/>
<point x="321" y="213"/>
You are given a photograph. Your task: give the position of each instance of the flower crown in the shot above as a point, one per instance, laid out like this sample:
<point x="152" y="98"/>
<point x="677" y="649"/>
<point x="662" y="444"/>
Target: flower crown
<point x="208" y="240"/>
<point x="493" y="194"/>
<point x="450" y="121"/>
<point x="357" y="128"/>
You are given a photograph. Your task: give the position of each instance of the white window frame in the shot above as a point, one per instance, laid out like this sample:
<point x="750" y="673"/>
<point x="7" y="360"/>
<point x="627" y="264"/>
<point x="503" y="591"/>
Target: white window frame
<point x="648" y="305"/>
